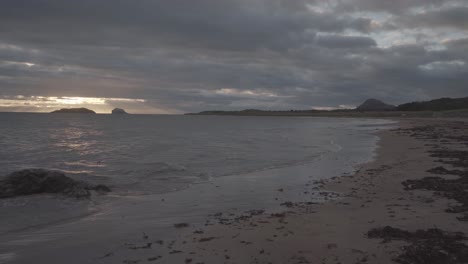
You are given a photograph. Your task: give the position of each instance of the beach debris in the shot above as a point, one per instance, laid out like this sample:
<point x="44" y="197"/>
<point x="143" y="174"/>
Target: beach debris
<point x="108" y="255"/>
<point x="206" y="239"/>
<point x="171" y="244"/>
<point x="431" y="246"/>
<point x="127" y="261"/>
<point x="456" y="158"/>
<point x="36" y="181"/>
<point x="146" y="246"/>
<point x="229" y="219"/>
<point x="154" y="258"/>
<point x="443" y="171"/>
<point x="456" y="189"/>
<point x="255" y="212"/>
<point x="279" y="215"/>
<point x="181" y="225"/>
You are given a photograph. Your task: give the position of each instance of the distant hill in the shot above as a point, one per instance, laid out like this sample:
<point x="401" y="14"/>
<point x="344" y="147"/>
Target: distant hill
<point x="375" y="105"/>
<point x="74" y="111"/>
<point x="444" y="107"/>
<point x="118" y="111"/>
<point x="436" y="105"/>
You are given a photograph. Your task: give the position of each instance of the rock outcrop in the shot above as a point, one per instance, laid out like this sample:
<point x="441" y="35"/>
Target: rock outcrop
<point x="74" y="111"/>
<point x="375" y="105"/>
<point x="118" y="111"/>
<point x="35" y="181"/>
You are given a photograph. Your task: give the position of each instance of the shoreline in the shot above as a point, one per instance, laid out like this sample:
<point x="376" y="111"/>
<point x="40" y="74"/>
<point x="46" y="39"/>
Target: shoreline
<point x="120" y="220"/>
<point x="337" y="231"/>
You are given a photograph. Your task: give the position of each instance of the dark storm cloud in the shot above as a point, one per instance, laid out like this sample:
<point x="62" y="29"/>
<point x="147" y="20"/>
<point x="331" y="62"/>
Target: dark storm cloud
<point x="228" y="24"/>
<point x="231" y="54"/>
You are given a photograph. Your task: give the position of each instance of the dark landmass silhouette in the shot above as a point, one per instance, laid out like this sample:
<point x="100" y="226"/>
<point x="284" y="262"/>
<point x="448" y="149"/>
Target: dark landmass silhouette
<point x="74" y="111"/>
<point x="441" y="104"/>
<point x="444" y="107"/>
<point x="375" y="105"/>
<point x="118" y="111"/>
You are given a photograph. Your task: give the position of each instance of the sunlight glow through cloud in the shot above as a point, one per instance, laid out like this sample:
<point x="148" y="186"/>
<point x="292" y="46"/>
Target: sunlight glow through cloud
<point x="442" y="65"/>
<point x="49" y="103"/>
<point x="16" y="63"/>
<point x="241" y="93"/>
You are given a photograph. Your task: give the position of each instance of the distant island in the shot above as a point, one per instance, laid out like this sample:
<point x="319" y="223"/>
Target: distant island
<point x="443" y="107"/>
<point x="73" y="111"/>
<point x="118" y="111"/>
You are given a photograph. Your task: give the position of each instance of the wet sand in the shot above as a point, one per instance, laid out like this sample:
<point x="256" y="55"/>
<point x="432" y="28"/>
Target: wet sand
<point x="337" y="231"/>
<point x="387" y="192"/>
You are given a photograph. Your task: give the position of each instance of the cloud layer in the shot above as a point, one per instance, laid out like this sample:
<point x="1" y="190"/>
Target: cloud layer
<point x="183" y="56"/>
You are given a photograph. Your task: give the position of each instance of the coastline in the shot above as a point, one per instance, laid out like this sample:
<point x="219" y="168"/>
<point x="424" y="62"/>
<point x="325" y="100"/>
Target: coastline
<point x="336" y="231"/>
<point x="47" y="227"/>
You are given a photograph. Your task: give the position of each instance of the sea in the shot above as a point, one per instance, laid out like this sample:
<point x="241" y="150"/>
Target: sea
<point x="141" y="154"/>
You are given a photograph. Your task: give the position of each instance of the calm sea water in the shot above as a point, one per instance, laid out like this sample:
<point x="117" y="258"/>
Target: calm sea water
<point x="154" y="154"/>
<point x="163" y="170"/>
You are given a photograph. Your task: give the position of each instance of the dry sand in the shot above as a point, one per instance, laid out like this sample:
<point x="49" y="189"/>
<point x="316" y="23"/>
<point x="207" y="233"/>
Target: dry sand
<point x="336" y="231"/>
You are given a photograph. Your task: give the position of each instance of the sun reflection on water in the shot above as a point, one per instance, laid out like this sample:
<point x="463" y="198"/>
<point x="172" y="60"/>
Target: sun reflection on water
<point x="82" y="141"/>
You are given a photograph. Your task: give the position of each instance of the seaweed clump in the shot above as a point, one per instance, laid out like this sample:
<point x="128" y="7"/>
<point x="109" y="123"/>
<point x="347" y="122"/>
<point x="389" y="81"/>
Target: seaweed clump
<point x="431" y="246"/>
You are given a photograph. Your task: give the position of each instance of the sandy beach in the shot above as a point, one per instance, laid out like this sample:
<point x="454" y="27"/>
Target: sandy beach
<point x="337" y="231"/>
<point x="369" y="217"/>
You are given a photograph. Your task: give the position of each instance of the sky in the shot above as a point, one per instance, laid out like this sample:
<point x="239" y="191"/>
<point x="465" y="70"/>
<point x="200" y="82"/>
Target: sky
<point x="178" y="56"/>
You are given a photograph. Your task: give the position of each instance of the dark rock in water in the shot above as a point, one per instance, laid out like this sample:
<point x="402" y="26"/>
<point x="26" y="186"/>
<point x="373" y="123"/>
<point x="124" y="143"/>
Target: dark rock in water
<point x="74" y="111"/>
<point x="101" y="188"/>
<point x="375" y="105"/>
<point x="118" y="111"/>
<point x="34" y="181"/>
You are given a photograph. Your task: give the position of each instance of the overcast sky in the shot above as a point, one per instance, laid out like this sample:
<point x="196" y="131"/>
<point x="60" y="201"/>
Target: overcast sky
<point x="175" y="56"/>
